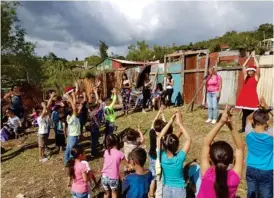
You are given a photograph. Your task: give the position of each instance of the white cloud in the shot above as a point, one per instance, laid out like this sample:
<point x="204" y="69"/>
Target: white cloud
<point x="73" y="29"/>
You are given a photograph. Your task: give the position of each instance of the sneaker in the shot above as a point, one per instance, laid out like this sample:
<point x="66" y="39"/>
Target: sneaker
<point x="208" y="121"/>
<point x="143" y="111"/>
<point x="43" y="159"/>
<point x="213" y="122"/>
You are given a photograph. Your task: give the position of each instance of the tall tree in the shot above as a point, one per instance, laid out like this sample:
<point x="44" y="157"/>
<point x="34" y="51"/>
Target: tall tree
<point x="17" y="56"/>
<point x="103" y="50"/>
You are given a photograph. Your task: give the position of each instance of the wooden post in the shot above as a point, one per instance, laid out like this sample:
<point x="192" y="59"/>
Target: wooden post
<point x="183" y="75"/>
<point x="205" y="73"/>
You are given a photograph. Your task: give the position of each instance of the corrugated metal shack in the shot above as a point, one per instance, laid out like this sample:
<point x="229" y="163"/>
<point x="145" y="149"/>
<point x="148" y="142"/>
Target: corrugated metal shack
<point x="190" y="67"/>
<point x="110" y="74"/>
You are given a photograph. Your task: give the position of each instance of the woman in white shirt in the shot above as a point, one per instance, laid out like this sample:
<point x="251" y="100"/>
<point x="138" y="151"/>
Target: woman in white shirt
<point x="169" y="83"/>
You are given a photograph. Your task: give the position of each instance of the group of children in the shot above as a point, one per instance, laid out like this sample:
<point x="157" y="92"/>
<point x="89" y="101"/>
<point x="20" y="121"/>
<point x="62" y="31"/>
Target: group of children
<point x="218" y="173"/>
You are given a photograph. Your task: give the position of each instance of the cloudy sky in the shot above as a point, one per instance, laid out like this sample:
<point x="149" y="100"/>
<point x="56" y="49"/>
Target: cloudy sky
<point x="73" y="29"/>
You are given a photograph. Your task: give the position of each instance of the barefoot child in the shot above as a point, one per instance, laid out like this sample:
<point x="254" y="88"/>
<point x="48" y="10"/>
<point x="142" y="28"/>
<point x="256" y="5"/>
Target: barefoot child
<point x="77" y="172"/>
<point x="259" y="140"/>
<point x="137" y="184"/>
<point x="217" y="179"/>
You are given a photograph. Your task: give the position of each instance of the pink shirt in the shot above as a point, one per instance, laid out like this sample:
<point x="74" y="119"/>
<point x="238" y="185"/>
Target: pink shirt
<point x="207" y="185"/>
<point x="78" y="185"/>
<point x="112" y="163"/>
<point x="213" y="84"/>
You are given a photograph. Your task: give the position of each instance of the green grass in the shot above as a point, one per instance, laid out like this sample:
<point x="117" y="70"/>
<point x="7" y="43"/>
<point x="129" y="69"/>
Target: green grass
<point x="23" y="173"/>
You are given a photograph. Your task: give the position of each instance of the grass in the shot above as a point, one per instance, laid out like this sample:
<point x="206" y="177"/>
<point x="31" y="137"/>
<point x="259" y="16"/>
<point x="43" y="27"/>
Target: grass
<point x="23" y="173"/>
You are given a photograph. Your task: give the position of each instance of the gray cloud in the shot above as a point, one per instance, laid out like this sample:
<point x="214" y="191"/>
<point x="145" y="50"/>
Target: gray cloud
<point x="65" y="26"/>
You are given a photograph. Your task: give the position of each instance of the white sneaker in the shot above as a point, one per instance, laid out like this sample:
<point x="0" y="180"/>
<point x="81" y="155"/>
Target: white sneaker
<point x="213" y="122"/>
<point x="208" y="121"/>
<point x="143" y="111"/>
<point x="43" y="160"/>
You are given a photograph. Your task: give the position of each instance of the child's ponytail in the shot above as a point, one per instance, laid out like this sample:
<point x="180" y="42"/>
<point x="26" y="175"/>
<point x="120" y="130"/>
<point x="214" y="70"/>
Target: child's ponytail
<point x="221" y="154"/>
<point x="220" y="185"/>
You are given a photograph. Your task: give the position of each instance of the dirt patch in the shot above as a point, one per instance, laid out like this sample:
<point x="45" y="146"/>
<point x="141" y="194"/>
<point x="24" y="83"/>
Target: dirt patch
<point x="22" y="172"/>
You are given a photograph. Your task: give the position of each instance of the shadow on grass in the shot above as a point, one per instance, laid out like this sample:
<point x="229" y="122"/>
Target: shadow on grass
<point x="19" y="151"/>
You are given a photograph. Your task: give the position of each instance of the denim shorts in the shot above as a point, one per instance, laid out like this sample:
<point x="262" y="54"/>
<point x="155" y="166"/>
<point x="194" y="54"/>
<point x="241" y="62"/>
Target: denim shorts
<point x="170" y="192"/>
<point x="152" y="163"/>
<point x="79" y="195"/>
<point x="109" y="183"/>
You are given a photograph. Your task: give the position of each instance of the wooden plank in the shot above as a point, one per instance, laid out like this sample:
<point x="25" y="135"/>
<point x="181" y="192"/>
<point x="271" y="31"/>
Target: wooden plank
<point x="186" y="53"/>
<point x="183" y="76"/>
<point x="206" y="70"/>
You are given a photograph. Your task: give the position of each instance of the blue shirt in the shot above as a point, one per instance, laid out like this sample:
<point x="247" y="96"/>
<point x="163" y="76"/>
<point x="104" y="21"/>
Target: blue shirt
<point x="172" y="169"/>
<point x="259" y="149"/>
<point x="55" y="116"/>
<point x="137" y="186"/>
<point x="195" y="177"/>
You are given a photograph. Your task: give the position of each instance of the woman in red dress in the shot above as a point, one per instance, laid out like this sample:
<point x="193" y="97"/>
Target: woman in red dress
<point x="248" y="99"/>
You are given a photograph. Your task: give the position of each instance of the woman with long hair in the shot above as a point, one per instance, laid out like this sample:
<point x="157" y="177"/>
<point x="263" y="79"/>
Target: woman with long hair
<point x="248" y="99"/>
<point x="169" y="83"/>
<point x="126" y="90"/>
<point x="213" y="88"/>
<point x="146" y="90"/>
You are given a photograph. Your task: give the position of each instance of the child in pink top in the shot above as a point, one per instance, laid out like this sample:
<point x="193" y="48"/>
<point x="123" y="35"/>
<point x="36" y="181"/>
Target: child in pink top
<point x="217" y="180"/>
<point x="78" y="175"/>
<point x="112" y="160"/>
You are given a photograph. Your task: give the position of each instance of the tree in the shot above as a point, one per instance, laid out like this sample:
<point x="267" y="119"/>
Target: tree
<point x="103" y="50"/>
<point x="76" y="59"/>
<point x="17" y="56"/>
<point x="93" y="60"/>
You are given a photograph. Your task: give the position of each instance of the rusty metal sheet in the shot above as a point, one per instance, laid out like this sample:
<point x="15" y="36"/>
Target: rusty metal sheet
<point x="229" y="86"/>
<point x="190" y="62"/>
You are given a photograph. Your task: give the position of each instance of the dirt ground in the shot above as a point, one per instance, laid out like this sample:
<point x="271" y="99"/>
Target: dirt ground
<point x="21" y="172"/>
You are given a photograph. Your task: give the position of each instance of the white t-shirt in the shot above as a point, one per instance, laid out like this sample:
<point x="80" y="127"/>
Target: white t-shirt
<point x="14" y="122"/>
<point x="43" y="124"/>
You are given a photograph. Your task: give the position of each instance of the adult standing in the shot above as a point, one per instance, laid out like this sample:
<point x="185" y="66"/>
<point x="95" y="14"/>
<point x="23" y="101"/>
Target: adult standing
<point x="169" y="83"/>
<point x="248" y="99"/>
<point x="16" y="101"/>
<point x="146" y="90"/>
<point x="213" y="88"/>
<point x="126" y="90"/>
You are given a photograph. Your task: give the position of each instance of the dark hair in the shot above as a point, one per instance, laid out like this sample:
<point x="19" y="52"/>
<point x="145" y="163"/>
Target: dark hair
<point x="111" y="141"/>
<point x="75" y="152"/>
<point x="13" y="86"/>
<point x="160" y="86"/>
<point x="124" y="74"/>
<point x="260" y="117"/>
<point x="131" y="134"/>
<point x="56" y="107"/>
<point x="9" y="110"/>
<point x="221" y="154"/>
<point x="139" y="156"/>
<point x="169" y="75"/>
<point x="169" y="142"/>
<point x="158" y="126"/>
